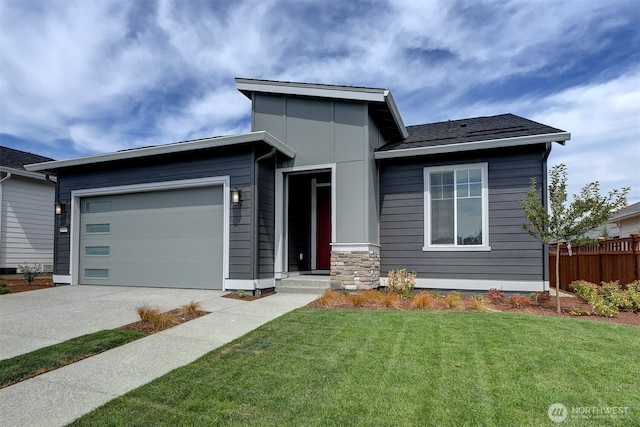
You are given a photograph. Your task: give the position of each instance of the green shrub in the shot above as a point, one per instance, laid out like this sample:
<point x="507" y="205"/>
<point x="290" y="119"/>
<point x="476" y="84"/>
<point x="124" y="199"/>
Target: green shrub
<point x="584" y="290"/>
<point x="4" y="289"/>
<point x="601" y="307"/>
<point x="401" y="282"/>
<point x="30" y="273"/>
<point x="608" y="299"/>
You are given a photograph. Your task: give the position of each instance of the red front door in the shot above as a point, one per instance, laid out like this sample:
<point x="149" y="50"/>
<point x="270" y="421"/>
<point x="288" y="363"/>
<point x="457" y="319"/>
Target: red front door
<point x="323" y="228"/>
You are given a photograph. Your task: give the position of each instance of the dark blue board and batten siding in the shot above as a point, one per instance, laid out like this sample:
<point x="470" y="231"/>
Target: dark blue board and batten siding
<point x="236" y="163"/>
<point x="514" y="254"/>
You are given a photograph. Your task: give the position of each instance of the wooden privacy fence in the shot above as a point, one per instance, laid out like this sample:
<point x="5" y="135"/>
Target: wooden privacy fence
<point x="606" y="261"/>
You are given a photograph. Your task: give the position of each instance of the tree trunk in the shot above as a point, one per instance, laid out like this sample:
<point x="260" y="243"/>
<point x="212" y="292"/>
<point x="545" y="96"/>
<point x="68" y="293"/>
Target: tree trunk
<point x="558" y="276"/>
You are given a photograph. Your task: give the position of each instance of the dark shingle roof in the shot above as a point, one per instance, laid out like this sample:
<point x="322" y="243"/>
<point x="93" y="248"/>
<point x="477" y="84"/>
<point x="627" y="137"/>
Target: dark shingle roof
<point x="469" y="130"/>
<point x="16" y="159"/>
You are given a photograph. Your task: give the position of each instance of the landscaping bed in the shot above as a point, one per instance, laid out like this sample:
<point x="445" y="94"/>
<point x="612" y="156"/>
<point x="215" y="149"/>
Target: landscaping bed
<point x="152" y="320"/>
<point x="21" y="285"/>
<point x="386" y="300"/>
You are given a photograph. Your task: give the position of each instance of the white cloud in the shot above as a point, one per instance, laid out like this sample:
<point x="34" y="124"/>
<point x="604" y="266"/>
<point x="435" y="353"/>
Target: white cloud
<point x="110" y="74"/>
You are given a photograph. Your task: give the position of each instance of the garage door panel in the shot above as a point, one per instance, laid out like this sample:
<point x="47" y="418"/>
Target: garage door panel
<point x="165" y="239"/>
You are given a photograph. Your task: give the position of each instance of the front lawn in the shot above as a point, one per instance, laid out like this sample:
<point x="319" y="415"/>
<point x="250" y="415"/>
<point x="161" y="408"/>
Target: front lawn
<point x="377" y="368"/>
<point x="28" y="365"/>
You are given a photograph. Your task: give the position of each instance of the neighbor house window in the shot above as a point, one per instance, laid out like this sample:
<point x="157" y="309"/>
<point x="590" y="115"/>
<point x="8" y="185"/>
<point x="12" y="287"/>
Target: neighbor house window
<point x="456" y="208"/>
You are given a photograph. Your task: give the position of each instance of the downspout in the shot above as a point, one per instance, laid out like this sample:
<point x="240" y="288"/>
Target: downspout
<point x="7" y="176"/>
<point x="545" y="203"/>
<point x="256" y="222"/>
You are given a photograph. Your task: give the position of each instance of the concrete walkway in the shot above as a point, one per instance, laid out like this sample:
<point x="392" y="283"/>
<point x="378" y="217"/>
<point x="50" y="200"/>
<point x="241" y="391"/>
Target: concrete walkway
<point x="35" y="319"/>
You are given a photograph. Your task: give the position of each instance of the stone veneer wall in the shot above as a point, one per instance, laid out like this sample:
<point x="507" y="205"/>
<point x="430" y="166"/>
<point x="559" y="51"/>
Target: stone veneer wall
<point x="355" y="270"/>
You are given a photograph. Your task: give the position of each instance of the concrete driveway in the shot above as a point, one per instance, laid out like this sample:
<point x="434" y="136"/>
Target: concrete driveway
<point x="35" y="319"/>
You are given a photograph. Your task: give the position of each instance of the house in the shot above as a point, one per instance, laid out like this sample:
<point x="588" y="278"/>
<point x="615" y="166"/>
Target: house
<point x="329" y="181"/>
<point x="26" y="212"/>
<point x="625" y="221"/>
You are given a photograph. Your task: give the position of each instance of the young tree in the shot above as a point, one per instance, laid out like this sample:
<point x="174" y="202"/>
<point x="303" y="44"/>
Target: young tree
<point x="567" y="222"/>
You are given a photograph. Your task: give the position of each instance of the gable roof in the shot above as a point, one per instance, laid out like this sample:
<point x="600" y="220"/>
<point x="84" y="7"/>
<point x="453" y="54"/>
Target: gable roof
<point x="471" y="134"/>
<point x="382" y="106"/>
<point x="16" y="159"/>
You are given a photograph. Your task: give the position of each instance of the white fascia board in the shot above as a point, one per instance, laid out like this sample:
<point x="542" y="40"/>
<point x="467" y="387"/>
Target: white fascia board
<point x="177" y="147"/>
<point x="20" y="172"/>
<point x="310" y="89"/>
<point x="393" y="108"/>
<point x="475" y="145"/>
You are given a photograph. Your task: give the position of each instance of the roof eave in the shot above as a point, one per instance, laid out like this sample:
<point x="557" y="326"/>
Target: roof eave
<point x="177" y="147"/>
<point x="559" y="137"/>
<point x="395" y="113"/>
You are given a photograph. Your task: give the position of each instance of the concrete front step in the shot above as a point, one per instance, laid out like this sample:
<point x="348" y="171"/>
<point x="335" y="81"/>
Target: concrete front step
<point x="316" y="285"/>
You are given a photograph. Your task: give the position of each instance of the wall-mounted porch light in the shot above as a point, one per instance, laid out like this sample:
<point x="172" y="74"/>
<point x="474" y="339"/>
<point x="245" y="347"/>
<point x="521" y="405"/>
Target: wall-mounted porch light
<point x="236" y="196"/>
<point x="60" y="208"/>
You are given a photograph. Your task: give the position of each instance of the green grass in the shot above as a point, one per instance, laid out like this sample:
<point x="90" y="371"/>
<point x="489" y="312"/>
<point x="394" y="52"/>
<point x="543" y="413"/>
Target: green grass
<point x="391" y="368"/>
<point x="28" y="365"/>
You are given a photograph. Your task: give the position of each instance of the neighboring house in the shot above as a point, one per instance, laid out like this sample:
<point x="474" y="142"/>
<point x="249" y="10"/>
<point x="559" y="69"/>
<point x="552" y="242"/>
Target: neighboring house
<point x="622" y="224"/>
<point x="328" y="181"/>
<point x="26" y="212"/>
<point x="625" y="221"/>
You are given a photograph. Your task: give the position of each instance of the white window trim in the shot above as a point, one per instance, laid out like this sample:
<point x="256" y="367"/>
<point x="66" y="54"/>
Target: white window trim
<point x="428" y="247"/>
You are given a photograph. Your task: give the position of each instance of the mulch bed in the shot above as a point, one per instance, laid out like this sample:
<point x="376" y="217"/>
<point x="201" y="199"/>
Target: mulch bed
<point x="146" y="328"/>
<point x="247" y="297"/>
<point x="546" y="308"/>
<point x="20" y="285"/>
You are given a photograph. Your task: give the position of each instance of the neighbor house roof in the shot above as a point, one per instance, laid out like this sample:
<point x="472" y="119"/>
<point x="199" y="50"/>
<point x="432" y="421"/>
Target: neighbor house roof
<point x="382" y="106"/>
<point x="503" y="130"/>
<point x="16" y="159"/>
<point x="627" y="212"/>
<point x="176" y="147"/>
<point x="13" y="161"/>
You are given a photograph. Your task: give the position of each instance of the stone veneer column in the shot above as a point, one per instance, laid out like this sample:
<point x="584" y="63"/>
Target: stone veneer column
<point x="355" y="270"/>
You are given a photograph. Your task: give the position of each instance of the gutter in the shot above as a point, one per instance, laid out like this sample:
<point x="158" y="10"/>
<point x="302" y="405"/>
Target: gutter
<point x="560" y="137"/>
<point x="256" y="222"/>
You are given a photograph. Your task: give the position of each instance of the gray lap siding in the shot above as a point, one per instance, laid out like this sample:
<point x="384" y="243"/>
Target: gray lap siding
<point x="514" y="254"/>
<point x="236" y="163"/>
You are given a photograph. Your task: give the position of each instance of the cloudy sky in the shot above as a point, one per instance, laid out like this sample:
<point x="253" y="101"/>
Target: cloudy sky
<point x="93" y="76"/>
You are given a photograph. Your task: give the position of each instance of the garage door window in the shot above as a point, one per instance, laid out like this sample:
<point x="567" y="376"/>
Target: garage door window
<point x="96" y="273"/>
<point x="97" y="228"/>
<point x="96" y="250"/>
<point x="97" y="206"/>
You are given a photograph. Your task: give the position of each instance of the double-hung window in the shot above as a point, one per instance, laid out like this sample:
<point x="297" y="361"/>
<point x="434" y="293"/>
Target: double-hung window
<point x="456" y="208"/>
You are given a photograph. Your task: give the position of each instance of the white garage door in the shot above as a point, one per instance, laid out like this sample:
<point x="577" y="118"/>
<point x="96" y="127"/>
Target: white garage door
<point x="169" y="238"/>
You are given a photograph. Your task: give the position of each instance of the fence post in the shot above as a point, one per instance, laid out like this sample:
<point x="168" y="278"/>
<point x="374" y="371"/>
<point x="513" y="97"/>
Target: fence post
<point x="600" y="274"/>
<point x="635" y="257"/>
